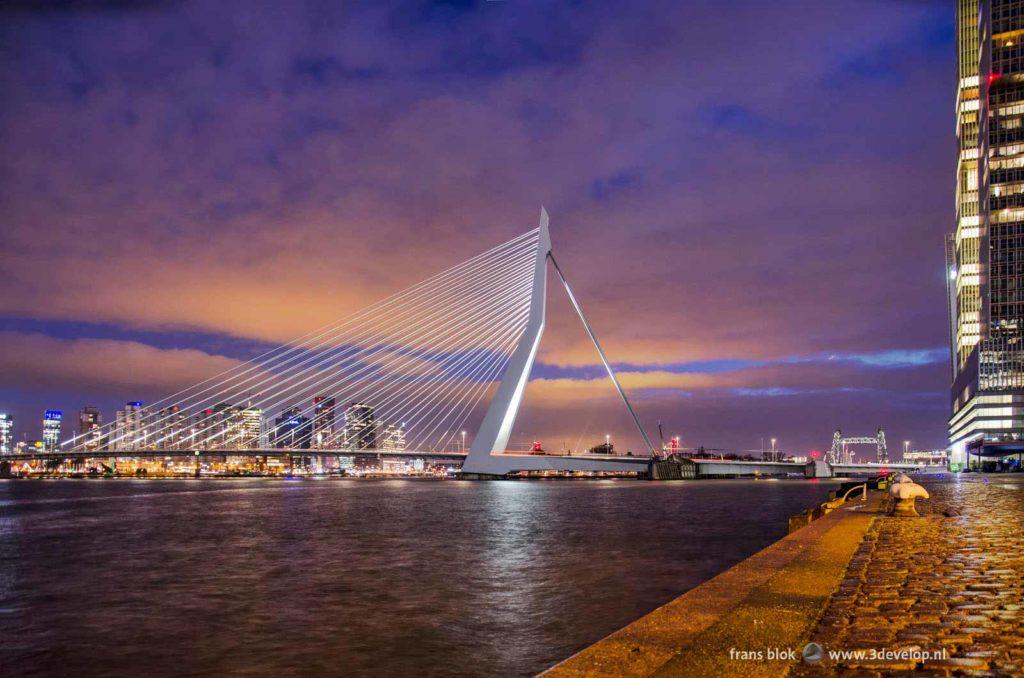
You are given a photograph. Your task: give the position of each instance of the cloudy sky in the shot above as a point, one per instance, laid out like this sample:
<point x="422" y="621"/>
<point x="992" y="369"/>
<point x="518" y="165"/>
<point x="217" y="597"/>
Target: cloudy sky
<point x="748" y="197"/>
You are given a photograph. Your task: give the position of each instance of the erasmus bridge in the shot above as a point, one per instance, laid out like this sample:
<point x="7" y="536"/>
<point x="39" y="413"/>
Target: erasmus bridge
<point x="416" y="368"/>
<point x="417" y="365"/>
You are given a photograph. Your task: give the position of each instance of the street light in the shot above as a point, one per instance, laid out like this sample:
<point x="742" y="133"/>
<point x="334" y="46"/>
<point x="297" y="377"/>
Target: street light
<point x="463" y="442"/>
<point x="906" y="446"/>
<point x="607" y="443"/>
<point x="773" y="449"/>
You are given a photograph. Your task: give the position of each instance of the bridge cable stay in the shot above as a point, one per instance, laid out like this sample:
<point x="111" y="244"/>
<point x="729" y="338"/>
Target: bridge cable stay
<point x="294" y="377"/>
<point x="376" y="360"/>
<point x="293" y="381"/>
<point x="422" y="359"/>
<point x="287" y="351"/>
<point x="600" y="352"/>
<point x="270" y="359"/>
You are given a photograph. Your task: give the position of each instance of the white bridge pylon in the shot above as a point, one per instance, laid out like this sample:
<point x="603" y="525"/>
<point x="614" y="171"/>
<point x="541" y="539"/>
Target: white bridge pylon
<point x="487" y="456"/>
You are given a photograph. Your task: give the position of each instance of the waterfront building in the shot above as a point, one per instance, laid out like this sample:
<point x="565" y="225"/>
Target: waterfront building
<point x="52" y="421"/>
<point x="360" y="428"/>
<point x="90" y="432"/>
<point x="129" y="427"/>
<point x="985" y="253"/>
<point x="323" y="422"/>
<point x="927" y="457"/>
<point x="252" y="428"/>
<point x="293" y="430"/>
<point x="171" y="429"/>
<point x="228" y="427"/>
<point x="393" y="439"/>
<point x="202" y="429"/>
<point x="6" y="433"/>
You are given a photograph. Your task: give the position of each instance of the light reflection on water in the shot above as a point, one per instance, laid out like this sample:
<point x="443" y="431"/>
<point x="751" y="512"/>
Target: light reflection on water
<point x="356" y="577"/>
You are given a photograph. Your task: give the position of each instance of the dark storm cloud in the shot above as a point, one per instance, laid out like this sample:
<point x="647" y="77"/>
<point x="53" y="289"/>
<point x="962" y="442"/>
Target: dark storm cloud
<point x="738" y="190"/>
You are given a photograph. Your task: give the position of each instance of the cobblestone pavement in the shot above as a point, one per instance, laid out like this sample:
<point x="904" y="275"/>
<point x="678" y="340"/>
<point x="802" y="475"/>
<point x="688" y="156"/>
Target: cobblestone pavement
<point x="952" y="579"/>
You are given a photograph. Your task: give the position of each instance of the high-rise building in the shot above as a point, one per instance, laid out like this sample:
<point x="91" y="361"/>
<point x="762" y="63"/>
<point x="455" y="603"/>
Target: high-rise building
<point x="129" y="427"/>
<point x="52" y="420"/>
<point x="323" y="422"/>
<point x="90" y="432"/>
<point x="292" y="430"/>
<point x="360" y="427"/>
<point x="393" y="439"/>
<point x="6" y="433"/>
<point x="252" y="428"/>
<point x="170" y="429"/>
<point x="226" y="427"/>
<point x="985" y="254"/>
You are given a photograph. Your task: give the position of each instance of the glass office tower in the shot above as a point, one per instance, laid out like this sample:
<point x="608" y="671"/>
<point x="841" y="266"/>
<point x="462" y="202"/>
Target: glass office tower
<point x="985" y="254"/>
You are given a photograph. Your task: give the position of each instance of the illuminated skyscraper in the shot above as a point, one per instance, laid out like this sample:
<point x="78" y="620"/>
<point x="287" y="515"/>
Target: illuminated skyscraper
<point x="360" y="427"/>
<point x="6" y="433"/>
<point x="985" y="254"/>
<point x="252" y="428"/>
<point x="170" y="429"/>
<point x="52" y="420"/>
<point x="292" y="430"/>
<point x="393" y="439"/>
<point x="129" y="427"/>
<point x="89" y="428"/>
<point x="323" y="422"/>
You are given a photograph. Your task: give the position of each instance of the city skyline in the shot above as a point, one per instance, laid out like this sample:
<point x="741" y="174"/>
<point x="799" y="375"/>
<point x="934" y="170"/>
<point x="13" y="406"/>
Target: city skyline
<point x="734" y="308"/>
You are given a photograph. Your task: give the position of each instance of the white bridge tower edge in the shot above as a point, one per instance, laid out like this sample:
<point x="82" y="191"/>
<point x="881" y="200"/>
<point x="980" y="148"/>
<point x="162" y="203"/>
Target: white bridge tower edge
<point x="487" y="455"/>
<point x="501" y="415"/>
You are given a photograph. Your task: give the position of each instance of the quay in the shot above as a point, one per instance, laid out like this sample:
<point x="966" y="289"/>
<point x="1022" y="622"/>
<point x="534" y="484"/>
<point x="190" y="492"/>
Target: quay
<point x="875" y="594"/>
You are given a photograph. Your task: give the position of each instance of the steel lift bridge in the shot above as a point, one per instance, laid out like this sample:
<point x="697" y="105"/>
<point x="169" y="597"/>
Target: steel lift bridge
<point x="409" y="374"/>
<point x="840" y="453"/>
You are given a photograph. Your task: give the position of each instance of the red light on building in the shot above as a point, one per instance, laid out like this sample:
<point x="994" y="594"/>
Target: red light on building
<point x="992" y="77"/>
<point x="537" y="447"/>
<point x="815" y="454"/>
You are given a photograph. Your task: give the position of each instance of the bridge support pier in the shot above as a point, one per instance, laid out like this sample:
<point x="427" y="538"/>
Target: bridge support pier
<point x="819" y="468"/>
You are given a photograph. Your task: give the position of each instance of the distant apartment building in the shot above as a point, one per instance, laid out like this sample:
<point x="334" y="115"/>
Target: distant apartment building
<point x="292" y="430"/>
<point x="360" y="431"/>
<point x="393" y="438"/>
<point x="252" y="428"/>
<point x="6" y="433"/>
<point x="52" y="422"/>
<point x="129" y="427"/>
<point x="985" y="253"/>
<point x="171" y="429"/>
<point x="90" y="428"/>
<point x="323" y="422"/>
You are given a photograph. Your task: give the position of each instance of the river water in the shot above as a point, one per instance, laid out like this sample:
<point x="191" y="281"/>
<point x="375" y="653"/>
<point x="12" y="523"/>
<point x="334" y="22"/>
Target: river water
<point x="342" y="577"/>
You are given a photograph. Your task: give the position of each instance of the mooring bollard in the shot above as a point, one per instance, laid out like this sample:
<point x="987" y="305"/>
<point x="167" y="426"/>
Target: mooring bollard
<point x="905" y="493"/>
